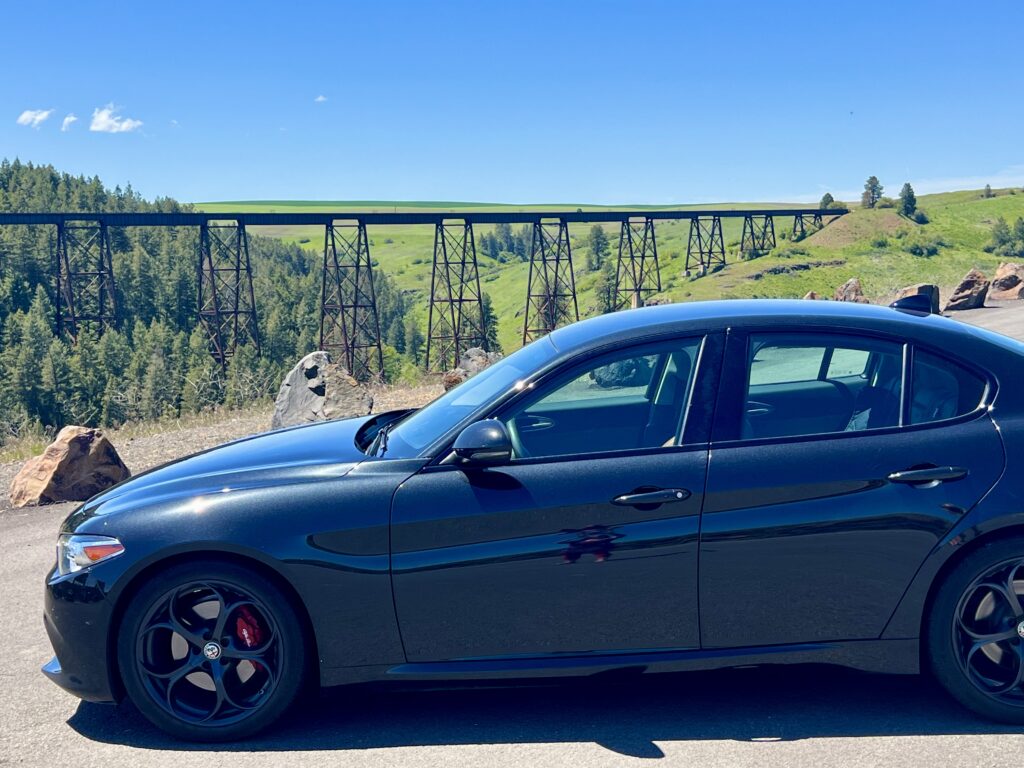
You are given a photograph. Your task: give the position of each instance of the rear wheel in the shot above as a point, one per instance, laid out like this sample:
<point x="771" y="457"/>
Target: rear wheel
<point x="211" y="651"/>
<point x="975" y="631"/>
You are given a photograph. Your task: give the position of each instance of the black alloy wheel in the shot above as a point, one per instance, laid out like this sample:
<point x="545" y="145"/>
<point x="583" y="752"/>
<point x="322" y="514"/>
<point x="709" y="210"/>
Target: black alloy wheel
<point x="211" y="652"/>
<point x="975" y="631"/>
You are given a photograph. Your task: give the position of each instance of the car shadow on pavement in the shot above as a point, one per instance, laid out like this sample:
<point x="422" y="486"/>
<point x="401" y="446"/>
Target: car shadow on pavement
<point x="626" y="715"/>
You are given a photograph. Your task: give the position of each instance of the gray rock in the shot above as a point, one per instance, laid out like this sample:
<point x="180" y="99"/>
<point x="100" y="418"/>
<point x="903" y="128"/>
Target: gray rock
<point x="317" y="389"/>
<point x="851" y="290"/>
<point x="475" y="359"/>
<point x="971" y="293"/>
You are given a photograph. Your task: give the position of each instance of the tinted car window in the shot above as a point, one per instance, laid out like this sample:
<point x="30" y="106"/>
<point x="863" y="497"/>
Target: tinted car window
<point x="941" y="389"/>
<point x="625" y="402"/>
<point x="810" y="384"/>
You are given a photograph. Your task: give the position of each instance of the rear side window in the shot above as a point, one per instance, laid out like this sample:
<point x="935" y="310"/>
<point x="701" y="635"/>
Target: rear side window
<point x="813" y="384"/>
<point x="941" y="389"/>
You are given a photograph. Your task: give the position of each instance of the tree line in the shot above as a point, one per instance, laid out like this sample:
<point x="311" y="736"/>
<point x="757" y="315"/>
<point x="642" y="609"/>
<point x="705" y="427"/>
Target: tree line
<point x="156" y="361"/>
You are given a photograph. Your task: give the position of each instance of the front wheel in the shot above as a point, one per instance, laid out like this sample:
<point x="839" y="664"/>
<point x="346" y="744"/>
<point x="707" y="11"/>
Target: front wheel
<point x="211" y="651"/>
<point x="975" y="631"/>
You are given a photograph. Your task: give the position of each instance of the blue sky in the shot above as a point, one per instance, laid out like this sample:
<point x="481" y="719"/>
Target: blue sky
<point x="517" y="102"/>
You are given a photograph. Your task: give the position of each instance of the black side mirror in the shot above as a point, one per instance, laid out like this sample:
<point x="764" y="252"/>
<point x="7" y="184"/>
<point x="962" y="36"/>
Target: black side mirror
<point x="484" y="443"/>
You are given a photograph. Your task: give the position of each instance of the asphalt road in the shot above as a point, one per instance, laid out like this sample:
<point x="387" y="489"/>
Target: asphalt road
<point x="805" y="716"/>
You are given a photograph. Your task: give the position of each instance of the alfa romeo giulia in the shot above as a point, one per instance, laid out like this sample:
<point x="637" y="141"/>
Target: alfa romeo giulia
<point x="678" y="487"/>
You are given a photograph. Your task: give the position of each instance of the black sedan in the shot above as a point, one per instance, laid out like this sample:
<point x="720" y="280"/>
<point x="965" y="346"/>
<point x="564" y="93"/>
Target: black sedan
<point x="679" y="487"/>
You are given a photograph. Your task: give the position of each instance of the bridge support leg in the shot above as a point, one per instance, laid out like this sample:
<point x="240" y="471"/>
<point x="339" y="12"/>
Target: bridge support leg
<point x="85" y="278"/>
<point x="801" y="226"/>
<point x="758" y="235"/>
<point x="705" y="249"/>
<point x="551" y="284"/>
<point x="227" y="306"/>
<point x="349" y="324"/>
<point x="637" y="274"/>
<point x="456" y="316"/>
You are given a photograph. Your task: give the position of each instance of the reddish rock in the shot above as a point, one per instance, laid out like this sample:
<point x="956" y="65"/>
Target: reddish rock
<point x="811" y="296"/>
<point x="851" y="291"/>
<point x="971" y="292"/>
<point x="76" y="466"/>
<point x="1008" y="283"/>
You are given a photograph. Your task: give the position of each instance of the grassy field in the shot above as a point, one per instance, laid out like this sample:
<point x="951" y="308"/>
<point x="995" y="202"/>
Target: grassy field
<point x="869" y="244"/>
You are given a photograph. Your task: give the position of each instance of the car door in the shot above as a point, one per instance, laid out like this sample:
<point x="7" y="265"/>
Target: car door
<point x="586" y="542"/>
<point x="817" y="517"/>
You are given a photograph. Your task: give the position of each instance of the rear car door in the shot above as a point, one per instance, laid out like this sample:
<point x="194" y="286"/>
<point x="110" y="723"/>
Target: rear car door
<point x="587" y="541"/>
<point x="826" y="492"/>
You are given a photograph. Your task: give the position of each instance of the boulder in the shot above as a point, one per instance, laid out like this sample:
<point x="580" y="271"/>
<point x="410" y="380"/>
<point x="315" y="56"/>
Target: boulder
<point x="1008" y="282"/>
<point x="317" y="389"/>
<point x="851" y="290"/>
<point x="926" y="289"/>
<point x="811" y="296"/>
<point x="76" y="466"/>
<point x="473" y="360"/>
<point x="971" y="292"/>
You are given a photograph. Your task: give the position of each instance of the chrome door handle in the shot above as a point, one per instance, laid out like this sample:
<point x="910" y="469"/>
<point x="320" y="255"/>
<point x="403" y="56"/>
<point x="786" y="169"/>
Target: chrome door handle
<point x="659" y="496"/>
<point x="930" y="476"/>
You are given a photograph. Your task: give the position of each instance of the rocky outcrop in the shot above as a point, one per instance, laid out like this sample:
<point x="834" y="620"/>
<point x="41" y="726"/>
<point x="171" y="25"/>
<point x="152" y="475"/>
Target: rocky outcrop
<point x="811" y="296"/>
<point x="1008" y="282"/>
<point x="76" y="466"/>
<point x="851" y="290"/>
<point x="925" y="289"/>
<point x="971" y="292"/>
<point x="317" y="389"/>
<point x="473" y="360"/>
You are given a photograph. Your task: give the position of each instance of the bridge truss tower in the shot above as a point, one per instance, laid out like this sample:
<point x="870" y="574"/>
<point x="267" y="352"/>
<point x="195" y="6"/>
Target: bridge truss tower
<point x="551" y="284"/>
<point x="705" y="248"/>
<point x="227" y="306"/>
<point x="349" y="324"/>
<point x="804" y="224"/>
<point x="85" y="278"/>
<point x="758" y="235"/>
<point x="456" y="316"/>
<point x="637" y="274"/>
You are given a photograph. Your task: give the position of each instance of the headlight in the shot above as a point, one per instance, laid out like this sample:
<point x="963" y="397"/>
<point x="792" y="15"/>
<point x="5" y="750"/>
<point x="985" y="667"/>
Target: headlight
<point x="76" y="551"/>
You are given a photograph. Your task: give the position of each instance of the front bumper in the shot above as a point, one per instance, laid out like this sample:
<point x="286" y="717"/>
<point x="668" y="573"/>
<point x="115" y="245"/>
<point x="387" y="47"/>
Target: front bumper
<point x="77" y="619"/>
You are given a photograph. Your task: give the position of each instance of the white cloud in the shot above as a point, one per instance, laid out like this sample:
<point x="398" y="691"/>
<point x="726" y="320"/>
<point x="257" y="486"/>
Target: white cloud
<point x="68" y="120"/>
<point x="107" y="120"/>
<point x="34" y="117"/>
<point x="320" y="99"/>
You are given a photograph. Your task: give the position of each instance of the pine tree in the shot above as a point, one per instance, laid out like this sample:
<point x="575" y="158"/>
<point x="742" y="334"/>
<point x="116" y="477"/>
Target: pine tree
<point x="872" y="192"/>
<point x="203" y="385"/>
<point x="827" y="201"/>
<point x="413" y="341"/>
<point x="598" y="248"/>
<point x="490" y="329"/>
<point x="908" y="201"/>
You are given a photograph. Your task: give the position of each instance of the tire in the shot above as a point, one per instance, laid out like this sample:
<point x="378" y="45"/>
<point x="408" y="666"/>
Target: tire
<point x="198" y="687"/>
<point x="984" y="674"/>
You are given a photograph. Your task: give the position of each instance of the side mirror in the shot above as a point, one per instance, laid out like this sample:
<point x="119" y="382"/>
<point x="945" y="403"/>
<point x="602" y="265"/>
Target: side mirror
<point x="484" y="443"/>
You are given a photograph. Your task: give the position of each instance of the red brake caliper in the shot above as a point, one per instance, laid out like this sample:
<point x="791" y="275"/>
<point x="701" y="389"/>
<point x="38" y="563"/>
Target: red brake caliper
<point x="248" y="631"/>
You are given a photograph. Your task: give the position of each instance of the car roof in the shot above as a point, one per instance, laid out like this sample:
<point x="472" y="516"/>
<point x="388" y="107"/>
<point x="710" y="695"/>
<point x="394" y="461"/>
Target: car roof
<point x="737" y="313"/>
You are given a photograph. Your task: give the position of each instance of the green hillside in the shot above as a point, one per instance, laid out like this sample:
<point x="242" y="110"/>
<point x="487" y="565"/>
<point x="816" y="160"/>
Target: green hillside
<point x="877" y="246"/>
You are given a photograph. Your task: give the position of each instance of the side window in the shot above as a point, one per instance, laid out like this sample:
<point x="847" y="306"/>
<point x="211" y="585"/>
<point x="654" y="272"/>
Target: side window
<point x="627" y="401"/>
<point x="812" y="384"/>
<point x="940" y="389"/>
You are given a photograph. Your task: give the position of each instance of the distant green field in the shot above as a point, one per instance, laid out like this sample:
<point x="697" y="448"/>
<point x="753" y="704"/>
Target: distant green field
<point x="869" y="244"/>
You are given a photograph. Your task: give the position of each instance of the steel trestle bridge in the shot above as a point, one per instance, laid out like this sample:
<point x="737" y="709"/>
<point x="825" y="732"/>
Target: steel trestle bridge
<point x="349" y="328"/>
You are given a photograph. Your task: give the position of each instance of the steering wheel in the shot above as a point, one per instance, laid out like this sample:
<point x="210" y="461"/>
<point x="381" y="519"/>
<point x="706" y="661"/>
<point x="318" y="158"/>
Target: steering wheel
<point x="517" y="443"/>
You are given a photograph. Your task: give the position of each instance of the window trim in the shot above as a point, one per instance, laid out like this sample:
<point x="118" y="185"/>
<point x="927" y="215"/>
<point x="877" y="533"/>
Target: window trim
<point x="733" y="390"/>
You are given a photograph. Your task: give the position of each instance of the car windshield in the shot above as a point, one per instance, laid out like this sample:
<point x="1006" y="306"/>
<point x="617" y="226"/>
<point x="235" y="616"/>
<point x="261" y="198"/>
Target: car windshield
<point x="410" y="436"/>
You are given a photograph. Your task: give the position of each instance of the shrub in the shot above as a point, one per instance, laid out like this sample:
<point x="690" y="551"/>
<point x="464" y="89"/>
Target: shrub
<point x="921" y="217"/>
<point x="885" y="202"/>
<point x="924" y="246"/>
<point x="880" y="242"/>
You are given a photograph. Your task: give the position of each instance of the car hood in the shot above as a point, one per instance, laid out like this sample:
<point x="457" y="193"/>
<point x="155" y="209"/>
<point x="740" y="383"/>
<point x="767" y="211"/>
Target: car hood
<point x="323" y="450"/>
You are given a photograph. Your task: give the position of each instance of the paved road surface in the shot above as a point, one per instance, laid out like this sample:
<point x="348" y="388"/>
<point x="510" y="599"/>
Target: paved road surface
<point x="801" y="717"/>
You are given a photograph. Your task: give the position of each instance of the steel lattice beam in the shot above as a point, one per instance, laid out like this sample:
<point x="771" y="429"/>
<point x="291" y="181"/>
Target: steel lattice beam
<point x="227" y="306"/>
<point x="706" y="246"/>
<point x="85" y="278"/>
<point x="637" y="274"/>
<point x="551" y="284"/>
<point x="456" y="315"/>
<point x="349" y="324"/>
<point x="758" y="234"/>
